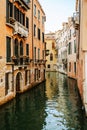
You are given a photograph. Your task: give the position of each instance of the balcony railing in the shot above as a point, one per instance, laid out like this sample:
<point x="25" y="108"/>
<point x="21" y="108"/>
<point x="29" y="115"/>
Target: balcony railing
<point x="22" y="60"/>
<point x="39" y="61"/>
<point x="20" y="29"/>
<point x="64" y="61"/>
<point x="24" y="4"/>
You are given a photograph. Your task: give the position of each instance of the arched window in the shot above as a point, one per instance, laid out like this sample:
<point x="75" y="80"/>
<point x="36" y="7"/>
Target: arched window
<point x="21" y="48"/>
<point x="53" y="45"/>
<point x="16" y="48"/>
<point x="51" y="56"/>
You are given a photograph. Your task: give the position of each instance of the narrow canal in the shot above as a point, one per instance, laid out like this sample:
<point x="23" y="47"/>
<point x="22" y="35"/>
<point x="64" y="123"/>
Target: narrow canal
<point x="53" y="105"/>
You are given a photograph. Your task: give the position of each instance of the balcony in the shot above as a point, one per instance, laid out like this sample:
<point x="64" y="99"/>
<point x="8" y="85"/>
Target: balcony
<point x="64" y="61"/>
<point x="20" y="61"/>
<point x="76" y="20"/>
<point x="35" y="61"/>
<point x="39" y="62"/>
<point x="23" y="3"/>
<point x="20" y="29"/>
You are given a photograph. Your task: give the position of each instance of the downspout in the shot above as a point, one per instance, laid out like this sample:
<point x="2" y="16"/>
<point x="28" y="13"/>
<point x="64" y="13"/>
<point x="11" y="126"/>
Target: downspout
<point x="32" y="33"/>
<point x="79" y="28"/>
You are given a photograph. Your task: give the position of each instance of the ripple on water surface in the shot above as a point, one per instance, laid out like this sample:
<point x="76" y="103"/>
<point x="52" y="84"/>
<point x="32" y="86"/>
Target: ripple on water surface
<point x="54" y="105"/>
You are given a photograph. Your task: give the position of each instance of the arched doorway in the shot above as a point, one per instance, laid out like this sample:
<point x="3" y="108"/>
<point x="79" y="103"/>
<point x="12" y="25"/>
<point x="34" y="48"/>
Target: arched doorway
<point x="18" y="82"/>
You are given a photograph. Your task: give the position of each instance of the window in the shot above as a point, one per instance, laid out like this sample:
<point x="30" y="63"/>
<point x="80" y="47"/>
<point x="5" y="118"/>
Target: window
<point x="34" y="30"/>
<point x="16" y="13"/>
<point x="38" y="14"/>
<point x="69" y="66"/>
<point x="38" y="33"/>
<point x="75" y="67"/>
<point x="9" y="10"/>
<point x="35" y="75"/>
<point x="39" y="73"/>
<point x="29" y="76"/>
<point x="51" y="57"/>
<point x="38" y="54"/>
<point x="26" y="77"/>
<point x="48" y="66"/>
<point x="34" y="53"/>
<point x="27" y="49"/>
<point x="47" y="52"/>
<point x="70" y="33"/>
<point x="22" y="19"/>
<point x="21" y="52"/>
<point x="42" y="37"/>
<point x="8" y="49"/>
<point x="69" y="48"/>
<point x="27" y="22"/>
<point x="74" y="46"/>
<point x="53" y="45"/>
<point x="21" y="48"/>
<point x="43" y="19"/>
<point x="16" y="48"/>
<point x="34" y="10"/>
<point x="19" y="16"/>
<point x="43" y="54"/>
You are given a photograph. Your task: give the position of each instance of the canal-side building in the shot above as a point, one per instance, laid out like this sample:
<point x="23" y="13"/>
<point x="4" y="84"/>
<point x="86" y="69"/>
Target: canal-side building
<point x="38" y="43"/>
<point x="66" y="45"/>
<point x="58" y="45"/>
<point x="61" y="44"/>
<point x="51" y="53"/>
<point x="81" y="26"/>
<point x="22" y="47"/>
<point x="71" y="49"/>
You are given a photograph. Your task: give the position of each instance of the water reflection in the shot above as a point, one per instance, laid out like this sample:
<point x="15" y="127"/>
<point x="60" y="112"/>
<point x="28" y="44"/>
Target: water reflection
<point x="52" y="106"/>
<point x="63" y="105"/>
<point x="26" y="112"/>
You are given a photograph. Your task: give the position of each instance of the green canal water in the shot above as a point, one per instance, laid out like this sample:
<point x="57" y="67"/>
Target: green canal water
<point x="52" y="105"/>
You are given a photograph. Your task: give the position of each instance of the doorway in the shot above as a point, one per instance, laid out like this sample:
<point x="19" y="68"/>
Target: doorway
<point x="18" y="82"/>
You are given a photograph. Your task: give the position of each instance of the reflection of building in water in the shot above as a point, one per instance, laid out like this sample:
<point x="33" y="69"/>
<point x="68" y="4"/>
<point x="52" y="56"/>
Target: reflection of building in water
<point x="24" y="111"/>
<point x="51" y="84"/>
<point x="68" y="101"/>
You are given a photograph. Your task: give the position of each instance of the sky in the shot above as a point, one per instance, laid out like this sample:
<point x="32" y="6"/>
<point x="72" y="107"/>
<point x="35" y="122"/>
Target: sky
<point x="57" y="12"/>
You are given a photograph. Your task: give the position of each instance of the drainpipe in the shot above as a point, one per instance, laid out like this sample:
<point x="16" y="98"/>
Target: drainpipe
<point x="32" y="33"/>
<point x="13" y="55"/>
<point x="79" y="28"/>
